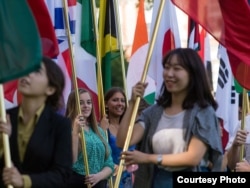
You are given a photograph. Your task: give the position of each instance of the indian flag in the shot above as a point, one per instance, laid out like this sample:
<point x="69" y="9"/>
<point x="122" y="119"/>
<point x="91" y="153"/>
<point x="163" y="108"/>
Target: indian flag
<point x="138" y="58"/>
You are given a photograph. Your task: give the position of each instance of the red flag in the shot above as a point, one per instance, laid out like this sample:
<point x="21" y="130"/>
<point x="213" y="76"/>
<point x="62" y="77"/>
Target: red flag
<point x="45" y="27"/>
<point x="228" y="22"/>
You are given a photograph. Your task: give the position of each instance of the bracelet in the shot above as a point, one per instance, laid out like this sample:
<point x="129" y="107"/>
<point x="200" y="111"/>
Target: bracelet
<point x="159" y="159"/>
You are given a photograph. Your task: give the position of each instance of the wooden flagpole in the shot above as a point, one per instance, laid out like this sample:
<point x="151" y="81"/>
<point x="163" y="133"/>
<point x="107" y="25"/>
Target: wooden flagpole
<point x="119" y="38"/>
<point x="243" y="116"/>
<point x="74" y="79"/>
<point x="143" y="78"/>
<point x="99" y="65"/>
<point x="99" y="73"/>
<point x="5" y="137"/>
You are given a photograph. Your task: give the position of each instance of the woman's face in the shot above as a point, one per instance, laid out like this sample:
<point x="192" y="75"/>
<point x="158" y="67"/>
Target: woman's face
<point x="35" y="84"/>
<point x="116" y="104"/>
<point x="175" y="77"/>
<point x="85" y="104"/>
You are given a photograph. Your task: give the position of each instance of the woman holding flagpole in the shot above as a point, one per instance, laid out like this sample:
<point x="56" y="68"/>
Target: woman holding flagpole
<point x="238" y="146"/>
<point x="39" y="137"/>
<point x="115" y="105"/>
<point x="100" y="162"/>
<point x="180" y="130"/>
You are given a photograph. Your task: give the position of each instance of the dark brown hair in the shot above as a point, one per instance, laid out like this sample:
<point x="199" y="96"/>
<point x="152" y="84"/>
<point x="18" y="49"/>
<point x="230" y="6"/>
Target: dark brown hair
<point x="198" y="89"/>
<point x="111" y="92"/>
<point x="56" y="79"/>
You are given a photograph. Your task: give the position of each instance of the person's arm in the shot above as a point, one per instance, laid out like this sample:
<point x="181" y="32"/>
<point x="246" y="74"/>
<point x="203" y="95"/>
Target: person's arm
<point x="191" y="157"/>
<point x="233" y="154"/>
<point x="224" y="162"/>
<point x="242" y="166"/>
<point x="60" y="155"/>
<point x="138" y="130"/>
<point x="76" y="145"/>
<point x="108" y="163"/>
<point x="16" y="179"/>
<point x="93" y="179"/>
<point x="105" y="173"/>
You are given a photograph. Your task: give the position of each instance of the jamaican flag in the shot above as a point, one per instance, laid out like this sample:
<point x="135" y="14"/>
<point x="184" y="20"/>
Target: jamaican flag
<point x="108" y="40"/>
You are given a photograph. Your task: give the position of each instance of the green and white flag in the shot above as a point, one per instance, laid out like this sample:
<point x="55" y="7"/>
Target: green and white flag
<point x="20" y="46"/>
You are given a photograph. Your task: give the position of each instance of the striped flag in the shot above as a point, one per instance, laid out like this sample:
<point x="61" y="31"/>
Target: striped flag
<point x="108" y="39"/>
<point x="85" y="50"/>
<point x="167" y="39"/>
<point x="226" y="96"/>
<point x="138" y="57"/>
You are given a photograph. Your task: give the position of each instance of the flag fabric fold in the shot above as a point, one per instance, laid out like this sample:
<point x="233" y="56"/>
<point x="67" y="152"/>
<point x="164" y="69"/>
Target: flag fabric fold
<point x="228" y="22"/>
